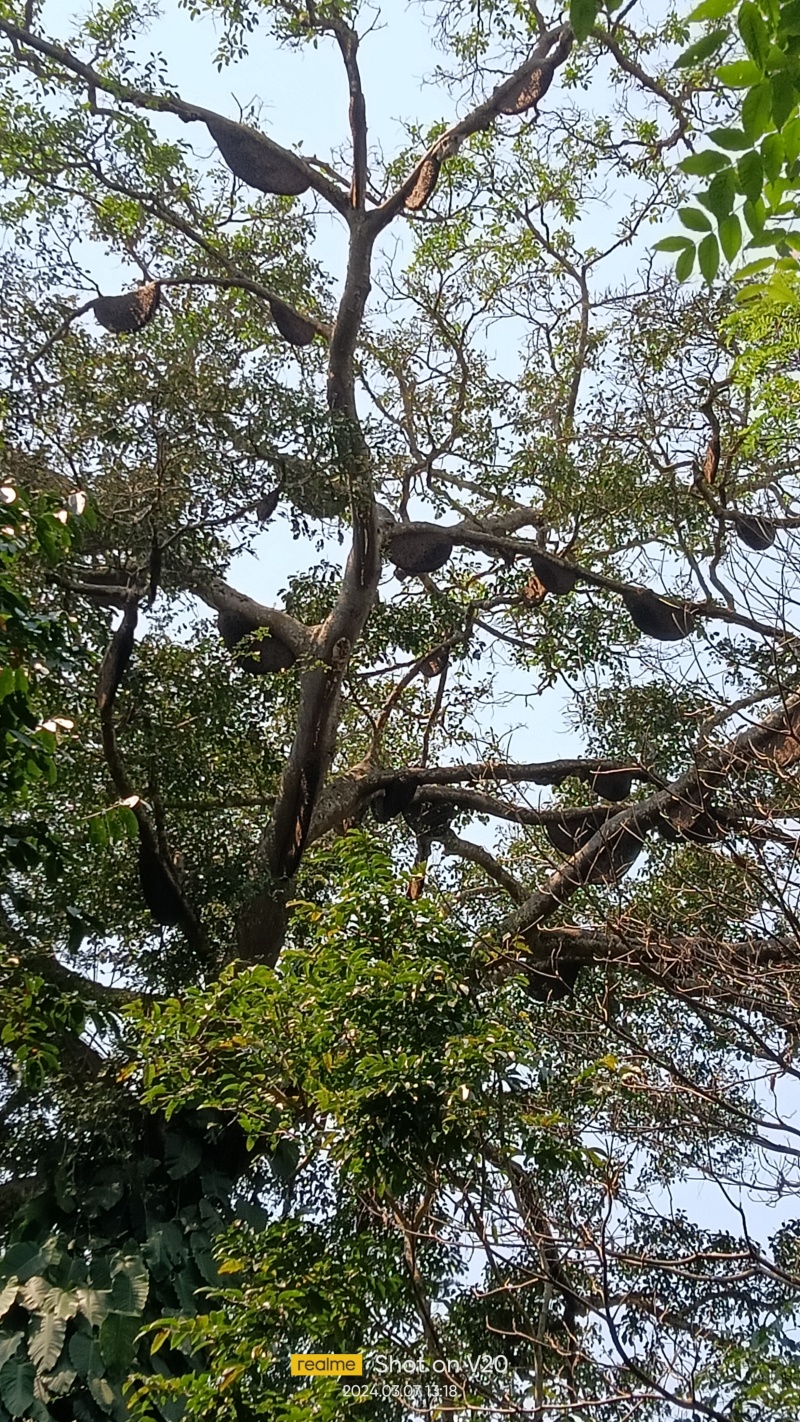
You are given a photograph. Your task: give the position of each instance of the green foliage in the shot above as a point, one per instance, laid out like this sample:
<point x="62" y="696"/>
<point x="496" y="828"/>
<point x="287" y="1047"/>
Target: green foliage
<point x="763" y="90"/>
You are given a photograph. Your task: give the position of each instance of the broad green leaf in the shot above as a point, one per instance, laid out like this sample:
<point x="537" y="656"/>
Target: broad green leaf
<point x="750" y="173"/>
<point x="791" y="139"/>
<point x="730" y="236"/>
<point x="59" y="1382"/>
<point x="705" y="163"/>
<point x="708" y="257"/>
<point x="685" y="264"/>
<point x="84" y="1354"/>
<point x="772" y="156"/>
<point x="93" y="1304"/>
<point x="672" y="244"/>
<point x="694" y="219"/>
<point x="770" y="238"/>
<point x="754" y="32"/>
<point x="733" y="139"/>
<point x="720" y="194"/>
<point x="582" y="15"/>
<point x="741" y="74"/>
<point x="130" y="1287"/>
<point x="102" y="1392"/>
<point x="182" y="1155"/>
<point x="755" y="216"/>
<point x="34" y="1293"/>
<point x="45" y="1340"/>
<point x="16" y="1387"/>
<point x="783" y="97"/>
<point x="701" y="49"/>
<point x="9" y="1346"/>
<point x="8" y="1295"/>
<point x="711" y="10"/>
<point x="117" y="1336"/>
<point x="98" y="830"/>
<point x="757" y="111"/>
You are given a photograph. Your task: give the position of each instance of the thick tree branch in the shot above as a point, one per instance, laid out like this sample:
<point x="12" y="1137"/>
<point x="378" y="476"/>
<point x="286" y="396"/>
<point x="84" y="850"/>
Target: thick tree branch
<point x="159" y="103"/>
<point x="773" y="743"/>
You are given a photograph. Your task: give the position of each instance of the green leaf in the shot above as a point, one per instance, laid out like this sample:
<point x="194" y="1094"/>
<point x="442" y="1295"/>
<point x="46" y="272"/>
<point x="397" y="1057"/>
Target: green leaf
<point x="84" y="1354"/>
<point x="783" y="97"/>
<point x="93" y="1304"/>
<point x="685" y="264"/>
<point x="182" y="1155"/>
<point x="741" y="74"/>
<point x="16" y="1387"/>
<point x="711" y="10"/>
<point x="768" y="239"/>
<point x="98" y="830"/>
<point x="754" y="32"/>
<point x="757" y="110"/>
<point x="45" y="1340"/>
<point x="791" y="140"/>
<point x="752" y="269"/>
<point x="755" y="216"/>
<point x="102" y="1392"/>
<point x="694" y="219"/>
<point x="719" y="195"/>
<point x="730" y="236"/>
<point x="700" y="50"/>
<point x="750" y="173"/>
<point x="708" y="257"/>
<point x="734" y="139"/>
<point x="117" y="1336"/>
<point x="672" y="244"/>
<point x="8" y="1295"/>
<point x="582" y="15"/>
<point x="59" y="1383"/>
<point x="772" y="156"/>
<point x="705" y="163"/>
<point x="9" y="1346"/>
<point x="130" y="1286"/>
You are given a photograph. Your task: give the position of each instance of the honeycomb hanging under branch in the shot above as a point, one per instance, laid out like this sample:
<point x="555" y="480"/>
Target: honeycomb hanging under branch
<point x="554" y="576"/>
<point x="259" y="655"/>
<point x="420" y="550"/>
<point x="256" y="160"/>
<point x="130" y="312"/>
<point x="426" y="181"/>
<point x="296" y="329"/>
<point x="757" y="533"/>
<point x="656" y="617"/>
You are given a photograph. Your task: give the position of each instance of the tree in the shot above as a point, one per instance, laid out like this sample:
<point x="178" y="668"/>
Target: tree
<point x="350" y="1031"/>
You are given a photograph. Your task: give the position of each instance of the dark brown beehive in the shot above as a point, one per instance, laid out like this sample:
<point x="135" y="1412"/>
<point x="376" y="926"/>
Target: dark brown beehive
<point x="293" y="327"/>
<point x="394" y="800"/>
<point x="434" y="665"/>
<point x="266" y="507"/>
<point x="656" y="617"/>
<point x="261" y="654"/>
<point x="555" y="981"/>
<point x="554" y="576"/>
<point x="757" y="533"/>
<point x="426" y="181"/>
<point x="524" y="94"/>
<point x="130" y="312"/>
<point x="420" y="550"/>
<point x="612" y="784"/>
<point x="159" y="888"/>
<point x="613" y="861"/>
<point x="571" y="832"/>
<point x="260" y="163"/>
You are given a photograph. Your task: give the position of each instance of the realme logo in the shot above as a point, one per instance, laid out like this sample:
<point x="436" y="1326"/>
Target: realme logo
<point x="343" y="1364"/>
